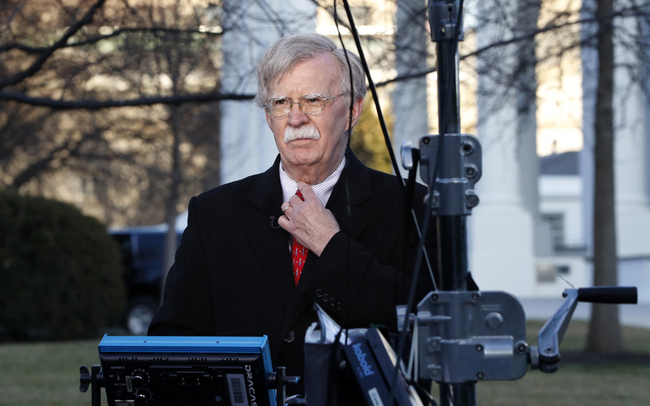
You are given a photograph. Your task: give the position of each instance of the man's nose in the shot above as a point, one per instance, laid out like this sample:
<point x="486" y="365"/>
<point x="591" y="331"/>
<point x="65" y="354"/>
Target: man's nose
<point x="297" y="117"/>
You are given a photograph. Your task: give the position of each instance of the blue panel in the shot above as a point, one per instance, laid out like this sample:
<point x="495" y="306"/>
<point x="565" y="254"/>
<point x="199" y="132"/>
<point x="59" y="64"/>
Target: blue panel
<point x="255" y="345"/>
<point x="158" y="365"/>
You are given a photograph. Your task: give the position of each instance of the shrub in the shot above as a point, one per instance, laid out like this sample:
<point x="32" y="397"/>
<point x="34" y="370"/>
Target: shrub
<point x="60" y="273"/>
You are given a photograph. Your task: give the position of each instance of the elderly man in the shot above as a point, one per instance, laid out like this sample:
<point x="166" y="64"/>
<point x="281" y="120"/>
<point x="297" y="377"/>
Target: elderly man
<point x="317" y="227"/>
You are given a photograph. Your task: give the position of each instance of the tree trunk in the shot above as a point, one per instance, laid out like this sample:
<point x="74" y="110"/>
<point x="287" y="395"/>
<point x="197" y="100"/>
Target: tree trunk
<point x="604" y="335"/>
<point x="171" y="211"/>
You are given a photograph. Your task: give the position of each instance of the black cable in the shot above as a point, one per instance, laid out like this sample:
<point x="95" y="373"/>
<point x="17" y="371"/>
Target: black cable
<point x="373" y="90"/>
<point x="380" y="116"/>
<point x="332" y="378"/>
<point x="444" y="120"/>
<point x="422" y="236"/>
<point x="345" y="179"/>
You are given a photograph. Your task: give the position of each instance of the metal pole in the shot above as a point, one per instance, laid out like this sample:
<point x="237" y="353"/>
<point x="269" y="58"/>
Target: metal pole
<point x="445" y="19"/>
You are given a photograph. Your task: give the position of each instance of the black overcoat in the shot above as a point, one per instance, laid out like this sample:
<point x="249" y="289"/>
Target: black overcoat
<point x="232" y="273"/>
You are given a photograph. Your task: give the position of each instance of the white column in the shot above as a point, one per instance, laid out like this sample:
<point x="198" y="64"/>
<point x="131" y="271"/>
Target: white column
<point x="501" y="235"/>
<point x="251" y="26"/>
<point x="630" y="149"/>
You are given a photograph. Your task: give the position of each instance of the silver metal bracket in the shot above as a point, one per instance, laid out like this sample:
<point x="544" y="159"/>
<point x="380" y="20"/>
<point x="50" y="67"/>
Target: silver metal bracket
<point x="455" y="175"/>
<point x="471" y="336"/>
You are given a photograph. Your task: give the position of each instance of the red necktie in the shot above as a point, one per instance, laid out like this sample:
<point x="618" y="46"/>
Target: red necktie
<point x="298" y="253"/>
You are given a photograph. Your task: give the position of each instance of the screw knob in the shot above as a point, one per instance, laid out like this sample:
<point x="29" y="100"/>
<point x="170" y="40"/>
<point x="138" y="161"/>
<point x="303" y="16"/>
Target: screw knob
<point x="84" y="379"/>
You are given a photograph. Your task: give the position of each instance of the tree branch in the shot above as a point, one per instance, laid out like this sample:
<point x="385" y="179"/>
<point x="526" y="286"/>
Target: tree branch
<point x="529" y="35"/>
<point x="103" y="104"/>
<point x="116" y="33"/>
<point x="38" y="64"/>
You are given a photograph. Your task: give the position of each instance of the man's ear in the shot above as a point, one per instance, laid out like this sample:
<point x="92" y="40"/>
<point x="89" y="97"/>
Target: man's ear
<point x="357" y="106"/>
<point x="268" y="118"/>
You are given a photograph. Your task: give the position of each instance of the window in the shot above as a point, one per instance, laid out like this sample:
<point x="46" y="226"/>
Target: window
<point x="556" y="223"/>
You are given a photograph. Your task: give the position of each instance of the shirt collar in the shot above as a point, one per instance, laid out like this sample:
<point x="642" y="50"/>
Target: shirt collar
<point x="323" y="189"/>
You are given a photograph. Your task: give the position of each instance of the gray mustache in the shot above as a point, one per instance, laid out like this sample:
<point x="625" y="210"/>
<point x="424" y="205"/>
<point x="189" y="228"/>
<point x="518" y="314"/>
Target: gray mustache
<point x="303" y="132"/>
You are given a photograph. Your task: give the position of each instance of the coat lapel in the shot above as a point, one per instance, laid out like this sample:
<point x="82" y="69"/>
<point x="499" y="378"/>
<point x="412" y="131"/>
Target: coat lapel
<point x="268" y="240"/>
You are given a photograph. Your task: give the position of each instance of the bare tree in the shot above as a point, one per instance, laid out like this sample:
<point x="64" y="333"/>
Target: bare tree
<point x="604" y="335"/>
<point x="138" y="58"/>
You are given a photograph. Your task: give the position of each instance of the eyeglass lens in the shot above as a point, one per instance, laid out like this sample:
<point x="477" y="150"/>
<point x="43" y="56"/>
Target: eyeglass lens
<point x="309" y="105"/>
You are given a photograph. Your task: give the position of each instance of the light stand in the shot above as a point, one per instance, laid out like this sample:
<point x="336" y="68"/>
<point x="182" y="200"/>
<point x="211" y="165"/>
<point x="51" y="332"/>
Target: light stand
<point x="445" y="20"/>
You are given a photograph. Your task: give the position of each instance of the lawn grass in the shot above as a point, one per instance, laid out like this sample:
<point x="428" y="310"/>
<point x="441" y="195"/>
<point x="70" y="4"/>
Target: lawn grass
<point x="573" y="385"/>
<point x="47" y="374"/>
<point x="606" y="383"/>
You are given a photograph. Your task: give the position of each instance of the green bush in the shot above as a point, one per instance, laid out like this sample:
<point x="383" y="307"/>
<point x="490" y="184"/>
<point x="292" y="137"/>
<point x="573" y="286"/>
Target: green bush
<point x="60" y="274"/>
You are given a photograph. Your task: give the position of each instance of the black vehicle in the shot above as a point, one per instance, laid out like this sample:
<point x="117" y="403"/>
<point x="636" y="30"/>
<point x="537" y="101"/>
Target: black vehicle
<point x="143" y="258"/>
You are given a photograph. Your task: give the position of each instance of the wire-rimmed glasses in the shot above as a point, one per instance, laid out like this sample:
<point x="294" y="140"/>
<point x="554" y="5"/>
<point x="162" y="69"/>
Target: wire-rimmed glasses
<point x="308" y="104"/>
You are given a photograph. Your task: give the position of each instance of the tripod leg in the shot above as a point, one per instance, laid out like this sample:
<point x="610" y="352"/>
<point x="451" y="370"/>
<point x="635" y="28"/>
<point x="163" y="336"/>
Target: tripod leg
<point x="96" y="381"/>
<point x="281" y="374"/>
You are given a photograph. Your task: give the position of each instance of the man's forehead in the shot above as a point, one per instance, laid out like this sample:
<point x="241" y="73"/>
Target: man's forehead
<point x="317" y="76"/>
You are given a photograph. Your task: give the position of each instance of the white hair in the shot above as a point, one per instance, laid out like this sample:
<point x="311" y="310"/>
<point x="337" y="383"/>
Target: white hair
<point x="286" y="53"/>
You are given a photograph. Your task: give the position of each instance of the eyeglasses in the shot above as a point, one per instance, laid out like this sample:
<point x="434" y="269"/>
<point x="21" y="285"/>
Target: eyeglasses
<point x="308" y="104"/>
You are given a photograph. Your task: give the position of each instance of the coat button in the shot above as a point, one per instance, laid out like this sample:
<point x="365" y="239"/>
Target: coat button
<point x="319" y="293"/>
<point x="325" y="297"/>
<point x="290" y="337"/>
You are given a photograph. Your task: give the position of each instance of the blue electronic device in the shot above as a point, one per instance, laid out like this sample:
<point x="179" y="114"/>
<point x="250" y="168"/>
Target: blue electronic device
<point x="197" y="371"/>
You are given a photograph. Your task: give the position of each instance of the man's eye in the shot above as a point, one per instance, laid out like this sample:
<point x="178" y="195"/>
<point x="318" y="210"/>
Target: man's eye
<point x="313" y="100"/>
<point x="280" y="102"/>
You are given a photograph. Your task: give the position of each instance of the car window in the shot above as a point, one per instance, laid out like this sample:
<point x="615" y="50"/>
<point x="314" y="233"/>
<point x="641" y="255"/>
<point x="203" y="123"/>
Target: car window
<point x="151" y="246"/>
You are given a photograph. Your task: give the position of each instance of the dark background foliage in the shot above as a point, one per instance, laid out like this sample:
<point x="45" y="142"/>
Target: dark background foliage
<point x="60" y="272"/>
